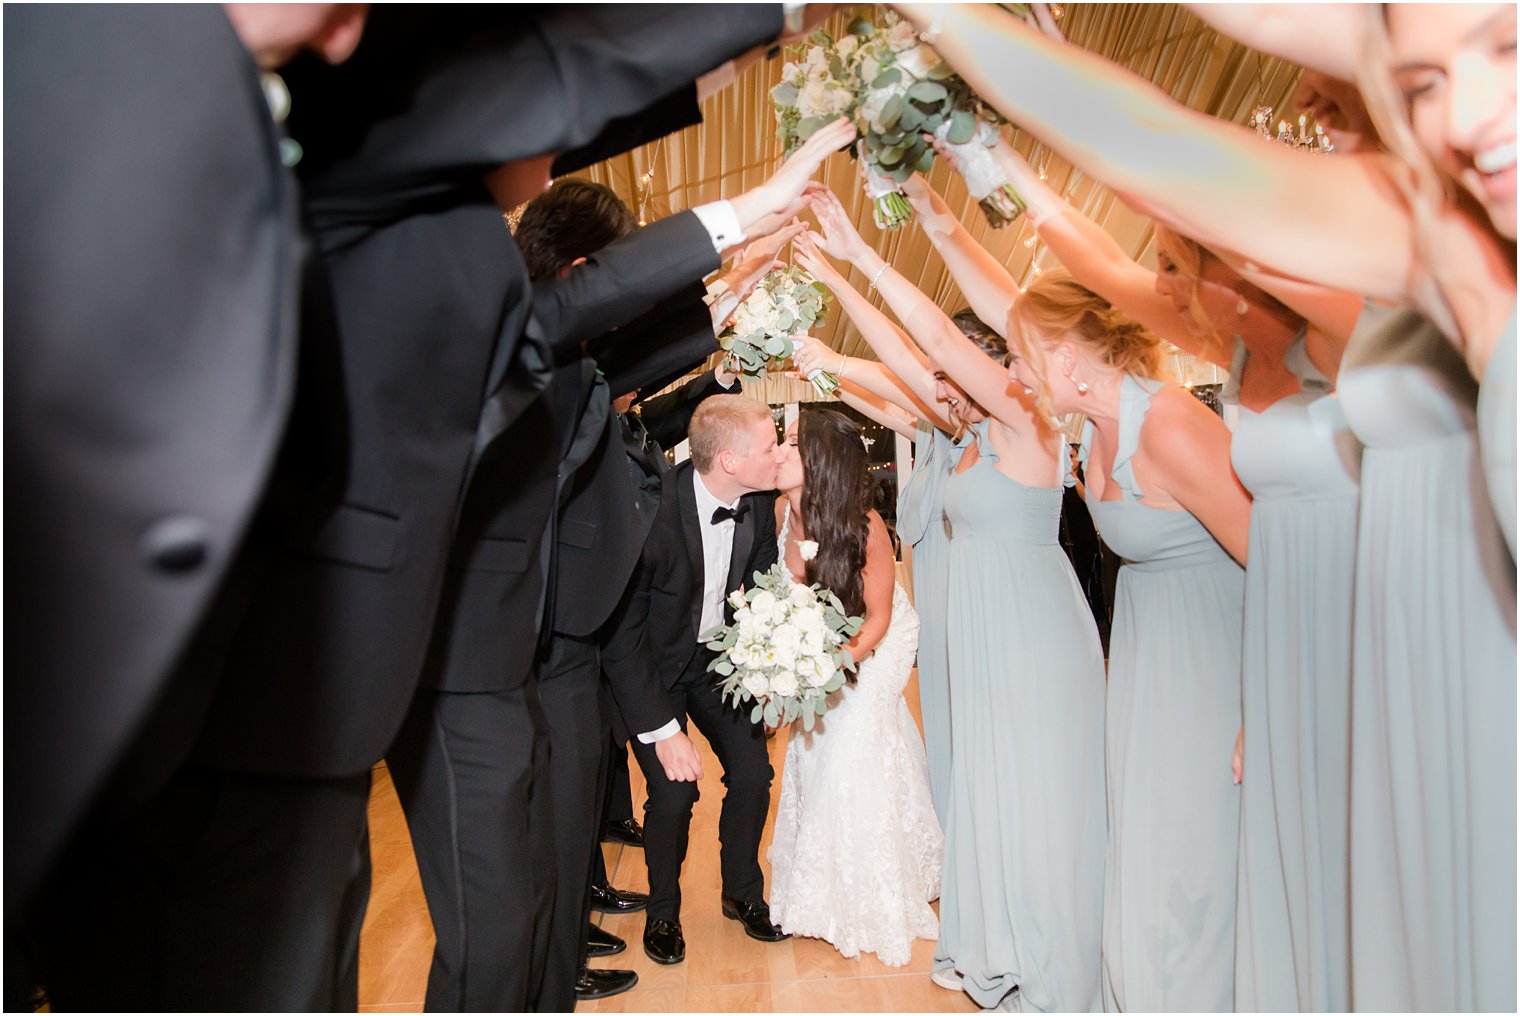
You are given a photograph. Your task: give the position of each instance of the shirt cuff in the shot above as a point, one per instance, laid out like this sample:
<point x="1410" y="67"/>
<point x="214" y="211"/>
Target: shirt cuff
<point x="721" y="223"/>
<point x="670" y="729"/>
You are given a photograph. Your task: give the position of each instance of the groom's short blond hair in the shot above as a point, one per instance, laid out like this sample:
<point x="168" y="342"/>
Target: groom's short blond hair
<point x="723" y="423"/>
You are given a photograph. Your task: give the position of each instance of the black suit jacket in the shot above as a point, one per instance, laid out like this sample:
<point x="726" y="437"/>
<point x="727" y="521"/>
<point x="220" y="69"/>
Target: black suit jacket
<point x="670" y="575"/>
<point x="152" y="260"/>
<point x="433" y="354"/>
<point x="488" y="630"/>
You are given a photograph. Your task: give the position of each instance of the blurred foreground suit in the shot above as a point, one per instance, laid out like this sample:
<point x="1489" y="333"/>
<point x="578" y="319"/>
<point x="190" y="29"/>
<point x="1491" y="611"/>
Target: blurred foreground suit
<point x="152" y="273"/>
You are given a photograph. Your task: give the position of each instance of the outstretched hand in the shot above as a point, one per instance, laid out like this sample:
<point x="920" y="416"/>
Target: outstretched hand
<point x="840" y="238"/>
<point x="765" y="209"/>
<point x="805" y="248"/>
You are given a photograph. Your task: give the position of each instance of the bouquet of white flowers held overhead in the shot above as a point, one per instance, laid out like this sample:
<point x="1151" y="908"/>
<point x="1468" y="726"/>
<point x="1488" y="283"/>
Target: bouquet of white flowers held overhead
<point x="897" y="90"/>
<point x="907" y="91"/>
<point x="785" y="304"/>
<point x="784" y="650"/>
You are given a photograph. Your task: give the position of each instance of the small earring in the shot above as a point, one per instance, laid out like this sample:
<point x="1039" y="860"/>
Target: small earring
<point x="1028" y="390"/>
<point x="1082" y="387"/>
<point x="1241" y="307"/>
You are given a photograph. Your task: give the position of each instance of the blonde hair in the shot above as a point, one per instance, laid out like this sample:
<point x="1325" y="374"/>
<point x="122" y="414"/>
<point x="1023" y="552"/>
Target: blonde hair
<point x="1190" y="256"/>
<point x="1424" y="187"/>
<point x="723" y="423"/>
<point x="1057" y="308"/>
<point x="1187" y="254"/>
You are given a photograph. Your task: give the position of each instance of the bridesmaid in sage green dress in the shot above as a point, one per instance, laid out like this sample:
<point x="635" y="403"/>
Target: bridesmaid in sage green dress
<point x="1022" y="888"/>
<point x="1162" y="493"/>
<point x="921" y="524"/>
<point x="1300" y="462"/>
<point x="1432" y="686"/>
<point x="1496" y="431"/>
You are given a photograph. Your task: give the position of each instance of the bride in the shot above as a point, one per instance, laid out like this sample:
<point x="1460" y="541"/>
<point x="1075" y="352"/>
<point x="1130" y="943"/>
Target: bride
<point x="857" y="850"/>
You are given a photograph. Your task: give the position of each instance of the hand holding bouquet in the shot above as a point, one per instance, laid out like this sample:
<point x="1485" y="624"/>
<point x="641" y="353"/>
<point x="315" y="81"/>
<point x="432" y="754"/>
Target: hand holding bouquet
<point x="786" y="304"/>
<point x="784" y="651"/>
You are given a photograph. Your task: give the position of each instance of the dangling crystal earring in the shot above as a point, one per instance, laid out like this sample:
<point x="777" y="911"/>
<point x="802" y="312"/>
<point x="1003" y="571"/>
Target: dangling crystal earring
<point x="1241" y="307"/>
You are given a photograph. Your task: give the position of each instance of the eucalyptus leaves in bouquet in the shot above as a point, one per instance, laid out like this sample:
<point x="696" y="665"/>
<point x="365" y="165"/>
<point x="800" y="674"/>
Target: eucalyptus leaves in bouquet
<point x="784" y="651"/>
<point x="787" y="303"/>
<point x="906" y="91"/>
<point x="815" y="90"/>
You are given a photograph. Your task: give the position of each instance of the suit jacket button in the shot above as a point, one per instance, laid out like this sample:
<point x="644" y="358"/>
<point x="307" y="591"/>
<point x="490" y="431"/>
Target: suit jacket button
<point x="176" y="543"/>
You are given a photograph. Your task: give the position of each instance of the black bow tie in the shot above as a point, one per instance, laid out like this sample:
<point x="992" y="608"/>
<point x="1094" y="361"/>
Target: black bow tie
<point x="737" y="514"/>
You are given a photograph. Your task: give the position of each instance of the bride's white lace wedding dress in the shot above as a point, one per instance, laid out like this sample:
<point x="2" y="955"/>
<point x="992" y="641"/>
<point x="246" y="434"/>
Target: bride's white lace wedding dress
<point x="857" y="851"/>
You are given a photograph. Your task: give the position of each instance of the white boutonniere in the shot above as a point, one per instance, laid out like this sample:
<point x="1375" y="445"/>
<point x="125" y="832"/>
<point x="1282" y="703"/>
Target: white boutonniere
<point x="808" y="549"/>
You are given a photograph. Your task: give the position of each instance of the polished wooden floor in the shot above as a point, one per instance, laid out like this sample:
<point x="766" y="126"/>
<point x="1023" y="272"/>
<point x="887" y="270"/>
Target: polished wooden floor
<point x="724" y="970"/>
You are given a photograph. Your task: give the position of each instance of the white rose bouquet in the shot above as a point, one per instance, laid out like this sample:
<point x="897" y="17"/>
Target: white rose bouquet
<point x="786" y="303"/>
<point x="784" y="651"/>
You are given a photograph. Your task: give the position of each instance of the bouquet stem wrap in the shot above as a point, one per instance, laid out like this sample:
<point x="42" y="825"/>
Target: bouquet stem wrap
<point x="889" y="206"/>
<point x="985" y="180"/>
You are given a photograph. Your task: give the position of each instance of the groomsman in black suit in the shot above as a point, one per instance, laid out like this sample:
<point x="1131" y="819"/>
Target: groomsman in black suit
<point x="715" y="528"/>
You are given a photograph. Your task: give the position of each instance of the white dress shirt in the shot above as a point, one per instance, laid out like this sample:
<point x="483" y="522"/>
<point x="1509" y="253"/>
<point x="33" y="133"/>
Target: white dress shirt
<point x="717" y="548"/>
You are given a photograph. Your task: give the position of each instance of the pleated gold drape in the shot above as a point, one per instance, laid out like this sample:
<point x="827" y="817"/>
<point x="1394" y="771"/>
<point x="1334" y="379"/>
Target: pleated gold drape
<point x="735" y="147"/>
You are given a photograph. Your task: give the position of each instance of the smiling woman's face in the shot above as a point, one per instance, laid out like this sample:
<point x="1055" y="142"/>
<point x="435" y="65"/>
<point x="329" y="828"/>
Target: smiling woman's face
<point x="1454" y="64"/>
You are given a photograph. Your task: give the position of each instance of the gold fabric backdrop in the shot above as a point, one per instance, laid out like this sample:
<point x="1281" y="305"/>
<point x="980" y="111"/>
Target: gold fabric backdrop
<point x="735" y="147"/>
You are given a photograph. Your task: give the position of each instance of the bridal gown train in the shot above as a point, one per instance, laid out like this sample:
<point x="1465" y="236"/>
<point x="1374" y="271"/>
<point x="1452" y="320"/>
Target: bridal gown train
<point x="857" y="851"/>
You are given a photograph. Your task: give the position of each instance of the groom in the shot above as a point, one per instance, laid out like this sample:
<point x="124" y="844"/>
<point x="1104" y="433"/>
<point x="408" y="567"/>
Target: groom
<point x="715" y="528"/>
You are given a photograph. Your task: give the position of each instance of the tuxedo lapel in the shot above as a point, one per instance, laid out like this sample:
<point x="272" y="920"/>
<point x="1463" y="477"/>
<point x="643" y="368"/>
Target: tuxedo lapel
<point x="744" y="543"/>
<point x="691" y="535"/>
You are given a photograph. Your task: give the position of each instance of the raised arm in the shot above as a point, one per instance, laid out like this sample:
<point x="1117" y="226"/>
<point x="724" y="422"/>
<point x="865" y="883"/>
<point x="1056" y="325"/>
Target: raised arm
<point x="897" y="352"/>
<point x="1099" y="263"/>
<point x="1340" y="221"/>
<point x="934" y="332"/>
<point x="869" y="377"/>
<point x="1321" y="37"/>
<point x="878" y="410"/>
<point x="988" y="287"/>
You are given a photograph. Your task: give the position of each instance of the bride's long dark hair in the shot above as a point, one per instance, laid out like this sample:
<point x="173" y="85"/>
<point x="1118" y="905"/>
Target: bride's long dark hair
<point x="836" y="500"/>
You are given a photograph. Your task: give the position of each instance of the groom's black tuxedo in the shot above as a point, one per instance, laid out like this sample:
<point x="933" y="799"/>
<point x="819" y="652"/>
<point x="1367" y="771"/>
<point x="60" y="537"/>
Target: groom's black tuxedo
<point x="670" y="584"/>
<point x="672" y="565"/>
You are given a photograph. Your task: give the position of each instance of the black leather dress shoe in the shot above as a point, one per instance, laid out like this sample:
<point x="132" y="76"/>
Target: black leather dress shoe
<point x="607" y="900"/>
<point x="593" y="984"/>
<point x="627" y="831"/>
<point x="756" y="918"/>
<point x="602" y="943"/>
<point x="663" y="942"/>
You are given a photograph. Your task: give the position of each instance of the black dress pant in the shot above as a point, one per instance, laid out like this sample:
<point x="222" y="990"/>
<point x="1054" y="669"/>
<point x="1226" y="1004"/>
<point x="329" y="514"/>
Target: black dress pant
<point x="747" y="774"/>
<point x="576" y="709"/>
<point x="471" y="770"/>
<point x="225" y="892"/>
<point x="619" y="792"/>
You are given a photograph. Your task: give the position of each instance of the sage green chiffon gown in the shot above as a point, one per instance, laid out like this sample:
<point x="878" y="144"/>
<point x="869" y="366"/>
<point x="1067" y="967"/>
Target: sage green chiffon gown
<point x="1301" y="463"/>
<point x="1021" y="903"/>
<point x="1173" y="713"/>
